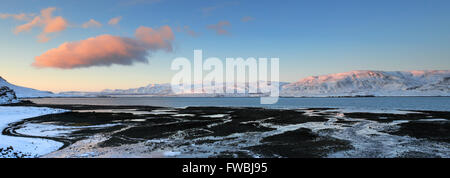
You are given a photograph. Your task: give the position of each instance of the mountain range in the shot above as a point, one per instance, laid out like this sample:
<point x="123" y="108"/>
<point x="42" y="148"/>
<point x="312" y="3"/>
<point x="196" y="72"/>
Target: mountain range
<point x="353" y="83"/>
<point x="376" y="83"/>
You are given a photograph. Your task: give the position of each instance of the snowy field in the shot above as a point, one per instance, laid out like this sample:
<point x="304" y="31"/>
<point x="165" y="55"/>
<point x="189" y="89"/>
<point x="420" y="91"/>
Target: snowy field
<point x="26" y="147"/>
<point x="211" y="132"/>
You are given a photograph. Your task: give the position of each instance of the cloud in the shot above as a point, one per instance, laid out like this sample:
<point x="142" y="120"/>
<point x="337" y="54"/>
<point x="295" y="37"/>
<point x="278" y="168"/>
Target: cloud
<point x="92" y="23"/>
<point x="220" y="27"/>
<point x="47" y="22"/>
<point x="106" y="50"/>
<point x="56" y="24"/>
<point x="115" y="20"/>
<point x="189" y="31"/>
<point x="43" y="38"/>
<point x="28" y="26"/>
<point x="247" y="19"/>
<point x="156" y="39"/>
<point x="186" y="29"/>
<point x="21" y="16"/>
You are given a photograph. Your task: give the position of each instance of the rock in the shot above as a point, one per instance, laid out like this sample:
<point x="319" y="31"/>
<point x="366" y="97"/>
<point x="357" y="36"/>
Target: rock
<point x="7" y="96"/>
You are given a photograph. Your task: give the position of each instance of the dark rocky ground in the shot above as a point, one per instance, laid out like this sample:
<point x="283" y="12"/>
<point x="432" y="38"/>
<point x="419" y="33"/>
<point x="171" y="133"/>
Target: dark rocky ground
<point x="247" y="132"/>
<point x="9" y="152"/>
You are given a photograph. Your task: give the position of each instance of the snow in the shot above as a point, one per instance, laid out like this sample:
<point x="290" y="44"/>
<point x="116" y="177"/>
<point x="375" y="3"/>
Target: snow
<point x="166" y="90"/>
<point x="49" y="130"/>
<point x="163" y="111"/>
<point x="171" y="154"/>
<point x="132" y="111"/>
<point x="152" y="89"/>
<point x="23" y="92"/>
<point x="215" y="115"/>
<point x="377" y="83"/>
<point x="183" y="115"/>
<point x="7" y="96"/>
<point x="353" y="83"/>
<point x="31" y="146"/>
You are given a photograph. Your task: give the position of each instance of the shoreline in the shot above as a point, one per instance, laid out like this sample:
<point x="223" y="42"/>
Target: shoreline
<point x="24" y="146"/>
<point x="112" y="131"/>
<point x="159" y="96"/>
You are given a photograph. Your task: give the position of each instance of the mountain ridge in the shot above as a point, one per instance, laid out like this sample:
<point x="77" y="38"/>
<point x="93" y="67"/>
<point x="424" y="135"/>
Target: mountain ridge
<point x="372" y="82"/>
<point x="351" y="83"/>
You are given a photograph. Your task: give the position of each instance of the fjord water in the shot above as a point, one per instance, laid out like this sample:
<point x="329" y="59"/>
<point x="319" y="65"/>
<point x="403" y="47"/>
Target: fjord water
<point x="358" y="103"/>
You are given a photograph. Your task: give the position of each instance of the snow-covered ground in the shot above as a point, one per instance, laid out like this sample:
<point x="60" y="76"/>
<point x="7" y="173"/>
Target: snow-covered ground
<point x="30" y="147"/>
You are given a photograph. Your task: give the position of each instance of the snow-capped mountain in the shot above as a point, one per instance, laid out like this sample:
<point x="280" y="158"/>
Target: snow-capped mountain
<point x="353" y="83"/>
<point x="23" y="92"/>
<point x="152" y="89"/>
<point x="166" y="90"/>
<point x="377" y="83"/>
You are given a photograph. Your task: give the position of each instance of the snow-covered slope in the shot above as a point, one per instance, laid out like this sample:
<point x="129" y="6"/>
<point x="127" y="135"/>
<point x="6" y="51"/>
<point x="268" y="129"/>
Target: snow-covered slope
<point x="377" y="83"/>
<point x="23" y="92"/>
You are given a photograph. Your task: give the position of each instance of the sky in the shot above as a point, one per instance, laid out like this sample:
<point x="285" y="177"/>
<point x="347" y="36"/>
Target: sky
<point x="85" y="45"/>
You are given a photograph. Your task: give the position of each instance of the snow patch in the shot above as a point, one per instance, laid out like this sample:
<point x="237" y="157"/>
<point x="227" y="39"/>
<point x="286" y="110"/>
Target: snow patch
<point x="31" y="146"/>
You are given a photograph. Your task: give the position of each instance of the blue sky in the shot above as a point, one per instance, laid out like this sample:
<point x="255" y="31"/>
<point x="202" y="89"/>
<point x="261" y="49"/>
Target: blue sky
<point x="310" y="37"/>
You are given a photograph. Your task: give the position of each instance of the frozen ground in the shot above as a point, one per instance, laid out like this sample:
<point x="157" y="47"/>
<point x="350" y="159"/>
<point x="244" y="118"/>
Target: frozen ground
<point x="203" y="132"/>
<point x="25" y="147"/>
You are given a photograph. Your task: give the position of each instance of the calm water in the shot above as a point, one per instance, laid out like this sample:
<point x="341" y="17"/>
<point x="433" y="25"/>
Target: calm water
<point x="371" y="103"/>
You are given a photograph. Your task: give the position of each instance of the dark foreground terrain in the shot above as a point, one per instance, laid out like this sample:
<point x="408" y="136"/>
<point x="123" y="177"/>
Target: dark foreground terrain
<point x="143" y="131"/>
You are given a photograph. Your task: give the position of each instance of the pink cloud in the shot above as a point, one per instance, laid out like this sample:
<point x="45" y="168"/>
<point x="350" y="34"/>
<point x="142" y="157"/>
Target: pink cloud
<point x="56" y="24"/>
<point x="115" y="20"/>
<point x="46" y="21"/>
<point x="92" y="23"/>
<point x="28" y="26"/>
<point x="186" y="29"/>
<point x="106" y="50"/>
<point x="220" y="27"/>
<point x="21" y="16"/>
<point x="156" y="39"/>
<point x="43" y="38"/>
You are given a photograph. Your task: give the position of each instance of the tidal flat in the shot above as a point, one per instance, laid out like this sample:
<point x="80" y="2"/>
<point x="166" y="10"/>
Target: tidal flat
<point x="238" y="132"/>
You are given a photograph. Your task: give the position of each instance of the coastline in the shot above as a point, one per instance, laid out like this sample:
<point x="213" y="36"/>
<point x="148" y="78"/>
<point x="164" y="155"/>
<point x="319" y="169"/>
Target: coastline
<point x="23" y="146"/>
<point x="146" y="131"/>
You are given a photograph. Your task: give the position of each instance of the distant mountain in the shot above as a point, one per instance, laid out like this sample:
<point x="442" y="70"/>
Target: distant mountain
<point x="376" y="83"/>
<point x="353" y="83"/>
<point x="23" y="92"/>
<point x="152" y="89"/>
<point x="166" y="90"/>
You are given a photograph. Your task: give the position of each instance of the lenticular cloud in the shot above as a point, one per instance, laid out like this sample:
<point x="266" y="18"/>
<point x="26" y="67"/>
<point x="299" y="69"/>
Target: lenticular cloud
<point x="105" y="50"/>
